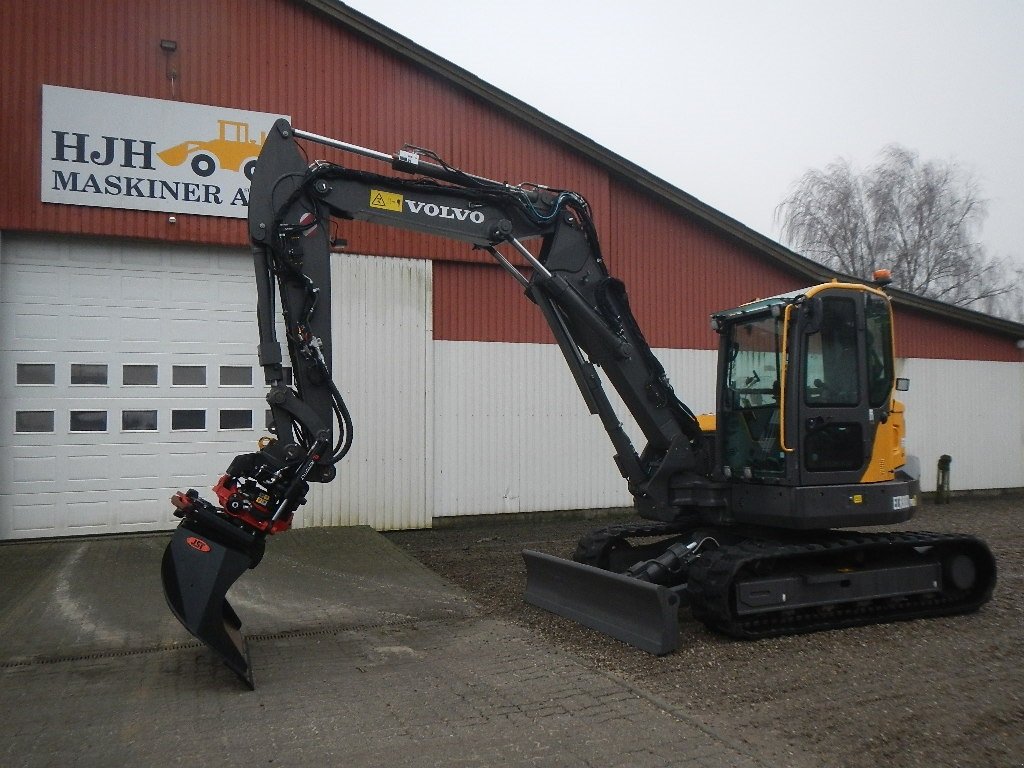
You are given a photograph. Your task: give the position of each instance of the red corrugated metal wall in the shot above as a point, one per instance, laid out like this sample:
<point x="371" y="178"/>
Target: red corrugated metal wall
<point x="677" y="272"/>
<point x="280" y="56"/>
<point x="266" y="55"/>
<point x="922" y="335"/>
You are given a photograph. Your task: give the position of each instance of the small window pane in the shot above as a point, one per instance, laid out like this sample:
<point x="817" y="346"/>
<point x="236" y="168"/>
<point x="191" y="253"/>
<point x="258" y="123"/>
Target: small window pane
<point x="88" y="421"/>
<point x="36" y="373"/>
<point x="188" y="419"/>
<point x="835" y="447"/>
<point x="188" y="375"/>
<point x="88" y="373"/>
<point x="139" y="375"/>
<point x="236" y="375"/>
<point x="33" y="421"/>
<point x="236" y="419"/>
<point x="138" y="421"/>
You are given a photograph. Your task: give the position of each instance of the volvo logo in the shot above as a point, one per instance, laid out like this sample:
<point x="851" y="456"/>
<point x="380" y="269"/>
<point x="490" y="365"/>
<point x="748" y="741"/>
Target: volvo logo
<point x="444" y="211"/>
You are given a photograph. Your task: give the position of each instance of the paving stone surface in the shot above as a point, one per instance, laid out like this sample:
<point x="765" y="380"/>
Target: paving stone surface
<point x="362" y="657"/>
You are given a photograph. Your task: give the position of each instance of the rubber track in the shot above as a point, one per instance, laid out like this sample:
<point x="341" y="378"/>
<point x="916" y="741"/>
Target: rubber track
<point x="713" y="576"/>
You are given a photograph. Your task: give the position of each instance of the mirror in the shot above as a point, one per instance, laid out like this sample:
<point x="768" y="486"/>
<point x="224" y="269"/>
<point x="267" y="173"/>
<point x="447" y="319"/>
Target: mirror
<point x="812" y="312"/>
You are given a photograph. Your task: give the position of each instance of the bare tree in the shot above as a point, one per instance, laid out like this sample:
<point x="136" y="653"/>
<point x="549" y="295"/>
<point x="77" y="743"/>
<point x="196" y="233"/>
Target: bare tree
<point x="919" y="219"/>
<point x="1011" y="303"/>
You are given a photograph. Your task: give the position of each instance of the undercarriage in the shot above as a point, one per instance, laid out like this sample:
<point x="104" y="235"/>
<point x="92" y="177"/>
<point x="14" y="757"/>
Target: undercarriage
<point x="754" y="583"/>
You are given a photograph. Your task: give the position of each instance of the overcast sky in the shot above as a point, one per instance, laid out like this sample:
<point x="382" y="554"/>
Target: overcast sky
<point x="733" y="100"/>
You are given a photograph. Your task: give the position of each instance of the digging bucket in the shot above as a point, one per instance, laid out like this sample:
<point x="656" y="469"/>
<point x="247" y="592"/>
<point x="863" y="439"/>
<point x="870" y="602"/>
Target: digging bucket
<point x="201" y="562"/>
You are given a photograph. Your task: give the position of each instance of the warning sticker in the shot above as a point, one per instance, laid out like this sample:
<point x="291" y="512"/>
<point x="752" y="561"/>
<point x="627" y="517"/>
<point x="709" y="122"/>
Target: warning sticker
<point x="388" y="201"/>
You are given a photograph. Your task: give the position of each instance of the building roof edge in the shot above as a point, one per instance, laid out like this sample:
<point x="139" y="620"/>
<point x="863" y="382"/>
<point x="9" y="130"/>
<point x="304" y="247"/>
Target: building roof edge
<point x="630" y="171"/>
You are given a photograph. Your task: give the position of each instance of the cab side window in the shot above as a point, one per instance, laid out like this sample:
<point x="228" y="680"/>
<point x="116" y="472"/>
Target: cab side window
<point x="879" y="351"/>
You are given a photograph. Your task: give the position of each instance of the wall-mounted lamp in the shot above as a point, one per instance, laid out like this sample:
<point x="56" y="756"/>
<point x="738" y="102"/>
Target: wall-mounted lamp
<point x="170" y="47"/>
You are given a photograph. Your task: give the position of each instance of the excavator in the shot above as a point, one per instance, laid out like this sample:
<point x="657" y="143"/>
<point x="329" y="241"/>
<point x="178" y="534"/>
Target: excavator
<point x="745" y="516"/>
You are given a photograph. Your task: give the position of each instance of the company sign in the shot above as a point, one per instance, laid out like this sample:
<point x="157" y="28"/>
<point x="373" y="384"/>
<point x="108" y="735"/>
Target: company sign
<point x="116" y="151"/>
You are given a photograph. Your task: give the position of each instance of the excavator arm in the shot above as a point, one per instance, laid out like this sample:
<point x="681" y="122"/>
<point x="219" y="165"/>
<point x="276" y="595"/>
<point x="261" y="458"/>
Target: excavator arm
<point x="587" y="310"/>
<point x="550" y="248"/>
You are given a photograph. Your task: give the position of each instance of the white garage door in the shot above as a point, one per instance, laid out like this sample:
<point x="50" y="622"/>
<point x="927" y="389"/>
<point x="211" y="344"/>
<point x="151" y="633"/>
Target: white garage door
<point x="127" y="372"/>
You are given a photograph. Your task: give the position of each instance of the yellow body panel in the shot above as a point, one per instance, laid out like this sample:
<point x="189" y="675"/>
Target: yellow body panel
<point x="707" y="422"/>
<point x="887" y="453"/>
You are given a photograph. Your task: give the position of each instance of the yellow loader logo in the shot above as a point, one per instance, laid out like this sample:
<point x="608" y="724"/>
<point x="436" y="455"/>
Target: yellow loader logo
<point x="232" y="150"/>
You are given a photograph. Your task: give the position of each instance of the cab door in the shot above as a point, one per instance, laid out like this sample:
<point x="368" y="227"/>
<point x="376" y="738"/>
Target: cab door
<point x="835" y="425"/>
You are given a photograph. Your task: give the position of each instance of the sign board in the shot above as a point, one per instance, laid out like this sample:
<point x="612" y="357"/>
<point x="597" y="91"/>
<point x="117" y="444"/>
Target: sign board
<point x="116" y="151"/>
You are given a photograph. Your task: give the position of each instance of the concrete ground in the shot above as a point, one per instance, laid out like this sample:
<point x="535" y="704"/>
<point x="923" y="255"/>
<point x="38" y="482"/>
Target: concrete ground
<point x="362" y="657"/>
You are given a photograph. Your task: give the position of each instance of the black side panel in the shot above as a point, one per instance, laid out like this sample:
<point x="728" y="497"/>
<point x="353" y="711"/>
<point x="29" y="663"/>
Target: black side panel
<point x="824" y="506"/>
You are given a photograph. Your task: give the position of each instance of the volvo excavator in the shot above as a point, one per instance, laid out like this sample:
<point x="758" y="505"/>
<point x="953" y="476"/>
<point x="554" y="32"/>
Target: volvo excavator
<point x="744" y="516"/>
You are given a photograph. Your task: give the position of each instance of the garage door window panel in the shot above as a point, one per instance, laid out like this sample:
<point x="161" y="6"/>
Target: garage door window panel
<point x="139" y="421"/>
<point x="187" y="420"/>
<point x="36" y="374"/>
<point x="88" y="421"/>
<point x="236" y="375"/>
<point x="33" y="421"/>
<point x="139" y="375"/>
<point x="235" y="418"/>
<point x="89" y="374"/>
<point x="188" y="375"/>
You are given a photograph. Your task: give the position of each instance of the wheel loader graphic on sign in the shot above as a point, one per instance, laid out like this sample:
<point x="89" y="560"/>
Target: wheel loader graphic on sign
<point x="232" y="150"/>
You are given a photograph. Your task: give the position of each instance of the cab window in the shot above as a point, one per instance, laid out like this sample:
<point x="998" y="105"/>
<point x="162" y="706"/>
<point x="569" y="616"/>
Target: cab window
<point x="879" y="350"/>
<point x="831" y="372"/>
<point x="750" y="419"/>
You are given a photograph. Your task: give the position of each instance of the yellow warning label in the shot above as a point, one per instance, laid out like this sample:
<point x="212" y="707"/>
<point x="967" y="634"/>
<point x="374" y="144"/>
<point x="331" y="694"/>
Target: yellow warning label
<point x="857" y="499"/>
<point x="388" y="201"/>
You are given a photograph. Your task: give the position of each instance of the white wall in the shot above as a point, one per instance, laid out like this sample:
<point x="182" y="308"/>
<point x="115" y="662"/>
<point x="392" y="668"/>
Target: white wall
<point x="512" y="433"/>
<point x="972" y="410"/>
<point x="383" y="332"/>
<point x="442" y="428"/>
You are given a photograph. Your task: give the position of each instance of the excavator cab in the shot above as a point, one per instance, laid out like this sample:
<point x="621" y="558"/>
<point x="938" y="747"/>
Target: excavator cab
<point x="806" y="412"/>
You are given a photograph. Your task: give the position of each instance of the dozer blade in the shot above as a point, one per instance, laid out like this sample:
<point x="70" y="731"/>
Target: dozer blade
<point x="197" y="571"/>
<point x="636" y="612"/>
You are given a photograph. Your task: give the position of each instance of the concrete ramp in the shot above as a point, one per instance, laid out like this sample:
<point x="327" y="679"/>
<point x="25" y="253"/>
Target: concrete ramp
<point x="80" y="597"/>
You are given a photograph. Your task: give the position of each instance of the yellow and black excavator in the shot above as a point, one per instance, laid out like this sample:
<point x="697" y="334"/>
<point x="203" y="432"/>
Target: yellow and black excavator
<point x="746" y="520"/>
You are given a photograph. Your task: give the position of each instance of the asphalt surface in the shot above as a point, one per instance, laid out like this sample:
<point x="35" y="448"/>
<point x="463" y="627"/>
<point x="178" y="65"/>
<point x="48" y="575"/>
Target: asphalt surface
<point x="362" y="656"/>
